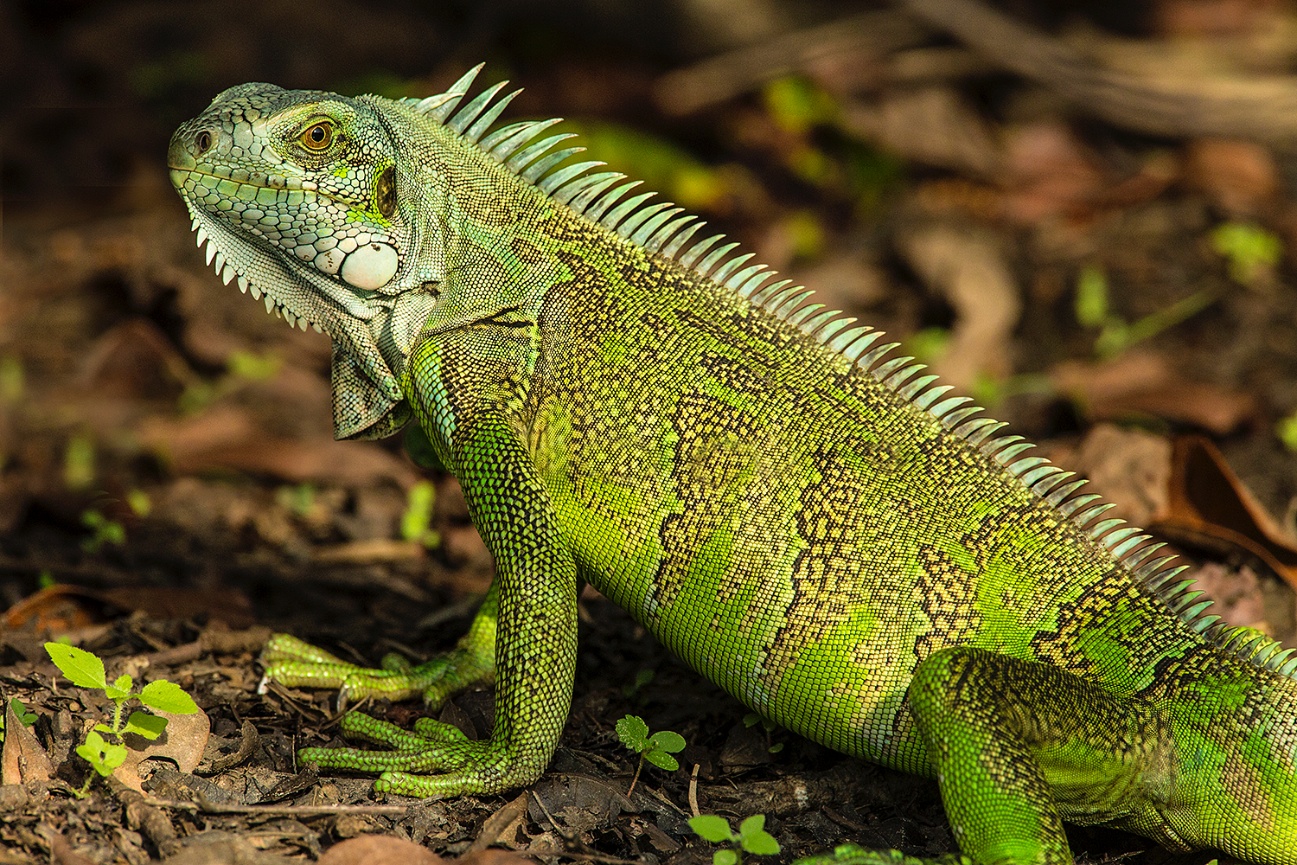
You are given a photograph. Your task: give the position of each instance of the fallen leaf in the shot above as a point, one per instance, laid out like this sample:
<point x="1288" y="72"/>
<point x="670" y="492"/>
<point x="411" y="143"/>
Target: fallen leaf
<point x="22" y="758"/>
<point x="1129" y="467"/>
<point x="931" y="125"/>
<point x="1241" y="177"/>
<point x="1144" y="383"/>
<point x="502" y="826"/>
<point x="182" y="742"/>
<point x="59" y="608"/>
<point x="379" y="850"/>
<point x="967" y="267"/>
<point x="1210" y="507"/>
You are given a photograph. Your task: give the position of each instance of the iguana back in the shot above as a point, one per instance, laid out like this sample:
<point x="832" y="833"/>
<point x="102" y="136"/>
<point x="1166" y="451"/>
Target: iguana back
<point x="811" y="524"/>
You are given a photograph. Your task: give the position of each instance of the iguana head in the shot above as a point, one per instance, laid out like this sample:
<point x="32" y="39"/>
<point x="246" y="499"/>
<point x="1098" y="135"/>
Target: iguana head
<point x="295" y="194"/>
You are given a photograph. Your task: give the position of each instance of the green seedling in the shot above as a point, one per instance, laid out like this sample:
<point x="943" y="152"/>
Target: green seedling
<point x="86" y="670"/>
<point x="1251" y="253"/>
<point x="752" y="837"/>
<point x="416" y="522"/>
<point x="642" y="678"/>
<point x="1116" y="335"/>
<point x="656" y="748"/>
<point x="751" y="719"/>
<point x="26" y="717"/>
<point x="1286" y="429"/>
<point x="102" y="531"/>
<point x="79" y="462"/>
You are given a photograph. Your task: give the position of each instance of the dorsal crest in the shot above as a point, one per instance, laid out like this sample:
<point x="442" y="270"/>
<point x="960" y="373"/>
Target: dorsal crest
<point x="663" y="228"/>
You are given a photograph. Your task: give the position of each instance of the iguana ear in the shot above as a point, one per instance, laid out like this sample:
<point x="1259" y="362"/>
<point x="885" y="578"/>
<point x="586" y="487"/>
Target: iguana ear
<point x="360" y="409"/>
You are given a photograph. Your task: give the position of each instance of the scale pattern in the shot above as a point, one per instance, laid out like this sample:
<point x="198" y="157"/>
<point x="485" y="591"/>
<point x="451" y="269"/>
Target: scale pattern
<point x="813" y="524"/>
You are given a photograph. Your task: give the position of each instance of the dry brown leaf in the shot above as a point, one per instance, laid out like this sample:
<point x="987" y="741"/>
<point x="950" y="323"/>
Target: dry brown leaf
<point x="60" y="608"/>
<point x="1209" y="506"/>
<point x="1145" y="383"/>
<point x="22" y="758"/>
<point x="379" y="850"/>
<point x="1129" y="467"/>
<point x="227" y="437"/>
<point x="502" y="826"/>
<point x="182" y="742"/>
<point x="1240" y="177"/>
<point x="967" y="267"/>
<point x="228" y="605"/>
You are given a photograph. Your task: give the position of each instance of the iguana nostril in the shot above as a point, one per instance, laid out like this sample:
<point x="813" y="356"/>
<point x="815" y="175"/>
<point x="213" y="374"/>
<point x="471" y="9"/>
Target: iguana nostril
<point x="202" y="142"/>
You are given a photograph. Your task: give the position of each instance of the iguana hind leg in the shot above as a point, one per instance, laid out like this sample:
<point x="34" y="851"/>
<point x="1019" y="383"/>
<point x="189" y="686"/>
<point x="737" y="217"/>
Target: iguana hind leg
<point x="1019" y="746"/>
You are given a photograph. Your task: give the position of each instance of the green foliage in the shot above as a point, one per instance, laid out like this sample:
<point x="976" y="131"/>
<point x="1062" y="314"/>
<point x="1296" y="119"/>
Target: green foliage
<point x="248" y="366"/>
<point x="86" y="670"/>
<point x="139" y="502"/>
<point x="102" y="531"/>
<point x="657" y="748"/>
<point x="25" y="717"/>
<point x="416" y="522"/>
<point x="642" y="678"/>
<point x="752" y="719"/>
<point x="241" y="368"/>
<point x="659" y="163"/>
<point x="12" y="380"/>
<point x="1287" y="431"/>
<point x="752" y="837"/>
<point x="796" y="105"/>
<point x="1250" y="251"/>
<point x="79" y="462"/>
<point x="1116" y="335"/>
<point x="298" y="498"/>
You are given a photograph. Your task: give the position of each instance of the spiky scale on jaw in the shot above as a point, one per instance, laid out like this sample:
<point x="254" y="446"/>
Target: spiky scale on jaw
<point x="814" y="525"/>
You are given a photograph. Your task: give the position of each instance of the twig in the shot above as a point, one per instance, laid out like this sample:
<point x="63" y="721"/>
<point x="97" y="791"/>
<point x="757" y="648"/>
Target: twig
<point x="1264" y="109"/>
<point x="870" y="35"/>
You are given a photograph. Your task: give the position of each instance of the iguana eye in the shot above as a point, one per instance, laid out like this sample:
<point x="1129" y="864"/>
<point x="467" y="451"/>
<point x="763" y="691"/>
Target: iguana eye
<point x="318" y="136"/>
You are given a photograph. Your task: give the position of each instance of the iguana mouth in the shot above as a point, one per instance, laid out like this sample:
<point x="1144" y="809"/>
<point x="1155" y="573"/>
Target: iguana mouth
<point x="349" y="299"/>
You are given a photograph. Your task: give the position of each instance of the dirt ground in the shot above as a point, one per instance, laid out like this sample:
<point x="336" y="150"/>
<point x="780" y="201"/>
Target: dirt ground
<point x="1117" y="286"/>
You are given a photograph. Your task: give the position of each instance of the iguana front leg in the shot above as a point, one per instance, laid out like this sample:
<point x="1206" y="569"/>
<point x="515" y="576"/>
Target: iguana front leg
<point x="297" y="664"/>
<point x="534" y="598"/>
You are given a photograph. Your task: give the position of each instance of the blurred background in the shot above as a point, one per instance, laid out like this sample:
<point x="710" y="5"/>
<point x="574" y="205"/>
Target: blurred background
<point x="1081" y="213"/>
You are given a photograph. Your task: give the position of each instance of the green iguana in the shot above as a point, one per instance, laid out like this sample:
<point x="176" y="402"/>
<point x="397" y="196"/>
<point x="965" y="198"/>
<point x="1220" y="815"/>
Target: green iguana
<point x="811" y="524"/>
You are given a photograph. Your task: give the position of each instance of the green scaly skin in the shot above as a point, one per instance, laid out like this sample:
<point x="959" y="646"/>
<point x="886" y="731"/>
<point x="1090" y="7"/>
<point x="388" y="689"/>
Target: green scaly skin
<point x="830" y="539"/>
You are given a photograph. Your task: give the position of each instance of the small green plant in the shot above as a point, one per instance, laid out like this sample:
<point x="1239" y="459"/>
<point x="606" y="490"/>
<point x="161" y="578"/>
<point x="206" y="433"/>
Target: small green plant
<point x="1250" y="251"/>
<point x="657" y="748"/>
<point x="79" y="462"/>
<point x="1286" y="429"/>
<point x="1116" y="335"/>
<point x="139" y="502"/>
<point x="642" y="678"/>
<point x="751" y="719"/>
<point x="25" y="717"/>
<point x="297" y="498"/>
<point x="86" y="670"/>
<point x="752" y="837"/>
<point x="416" y="522"/>
<point x="102" y="531"/>
<point x="12" y="379"/>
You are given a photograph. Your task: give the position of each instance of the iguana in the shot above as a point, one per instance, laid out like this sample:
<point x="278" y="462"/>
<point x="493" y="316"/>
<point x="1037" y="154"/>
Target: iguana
<point x="809" y="522"/>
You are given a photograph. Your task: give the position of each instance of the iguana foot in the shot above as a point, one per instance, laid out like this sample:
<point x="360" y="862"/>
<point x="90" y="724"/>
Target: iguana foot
<point x="433" y="746"/>
<point x="850" y="854"/>
<point x="295" y="663"/>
